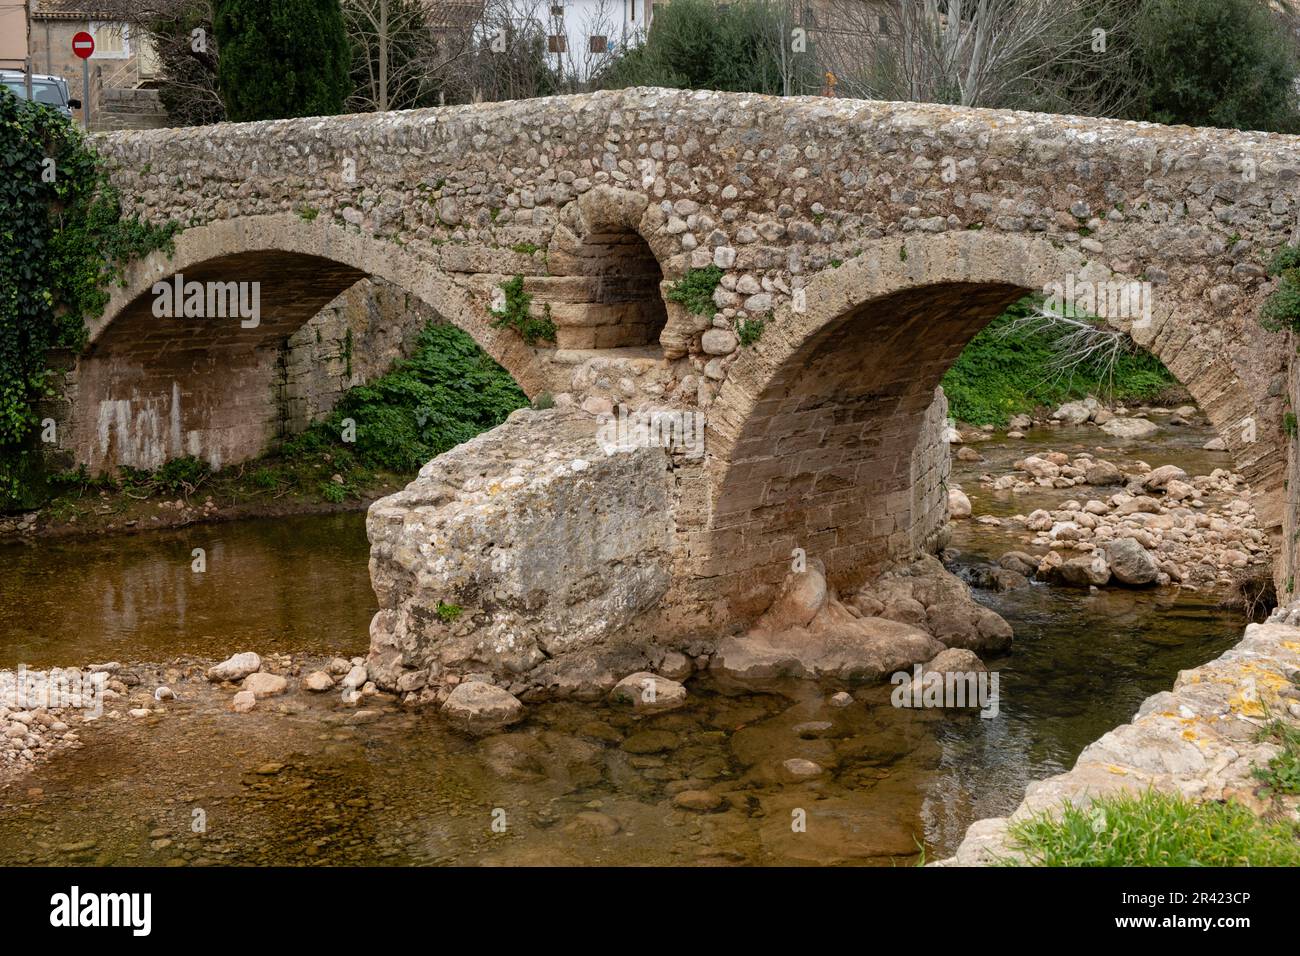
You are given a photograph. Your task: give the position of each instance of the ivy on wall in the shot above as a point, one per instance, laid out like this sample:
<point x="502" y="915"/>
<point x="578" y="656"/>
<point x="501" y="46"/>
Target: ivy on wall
<point x="62" y="242"/>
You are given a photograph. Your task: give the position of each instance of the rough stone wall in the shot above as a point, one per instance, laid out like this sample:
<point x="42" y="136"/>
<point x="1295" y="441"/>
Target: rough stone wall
<point x="931" y="465"/>
<point x="872" y="238"/>
<point x="353" y="340"/>
<point x="525" y="554"/>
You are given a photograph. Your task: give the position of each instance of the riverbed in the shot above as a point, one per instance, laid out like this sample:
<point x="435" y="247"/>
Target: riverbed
<point x="308" y="780"/>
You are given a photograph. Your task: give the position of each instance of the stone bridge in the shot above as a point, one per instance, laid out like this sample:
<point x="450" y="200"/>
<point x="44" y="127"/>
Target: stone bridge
<point x="871" y="239"/>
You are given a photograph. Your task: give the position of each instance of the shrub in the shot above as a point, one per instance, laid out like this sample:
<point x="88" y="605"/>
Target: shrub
<point x="695" y="290"/>
<point x="1002" y="373"/>
<point x="517" y="314"/>
<point x="446" y="393"/>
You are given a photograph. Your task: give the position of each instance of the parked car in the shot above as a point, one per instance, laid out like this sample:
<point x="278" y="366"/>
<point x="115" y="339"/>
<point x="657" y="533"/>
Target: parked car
<point x="50" y="90"/>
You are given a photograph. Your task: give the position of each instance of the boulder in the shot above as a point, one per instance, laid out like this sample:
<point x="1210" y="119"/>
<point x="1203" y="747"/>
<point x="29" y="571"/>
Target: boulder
<point x="1102" y="472"/>
<point x="1040" y="467"/>
<point x="265" y="685"/>
<point x="958" y="504"/>
<point x="648" y="693"/>
<point x="969" y="626"/>
<point x="477" y="706"/>
<point x="1084" y="571"/>
<point x="1215" y="444"/>
<point x="802" y="595"/>
<point x="1130" y="428"/>
<point x="1131" y="563"/>
<point x="243" y="702"/>
<point x="1158" y="479"/>
<point x="854" y="651"/>
<point x="955" y="660"/>
<point x="1073" y="413"/>
<point x="235" y="668"/>
<point x="318" y="682"/>
<point x="1019" y="562"/>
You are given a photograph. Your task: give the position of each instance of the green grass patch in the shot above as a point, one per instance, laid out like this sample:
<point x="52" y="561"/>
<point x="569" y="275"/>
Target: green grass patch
<point x="1282" y="775"/>
<point x="1155" y="829"/>
<point x="1000" y="374"/>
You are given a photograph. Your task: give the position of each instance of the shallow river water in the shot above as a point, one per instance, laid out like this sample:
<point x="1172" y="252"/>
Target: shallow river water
<point x="301" y="780"/>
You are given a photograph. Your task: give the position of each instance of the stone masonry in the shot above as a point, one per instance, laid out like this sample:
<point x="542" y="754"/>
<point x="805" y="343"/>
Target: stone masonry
<point x="871" y="239"/>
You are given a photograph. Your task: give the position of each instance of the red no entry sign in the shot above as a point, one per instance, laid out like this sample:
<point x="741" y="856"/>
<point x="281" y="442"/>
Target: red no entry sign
<point x="83" y="44"/>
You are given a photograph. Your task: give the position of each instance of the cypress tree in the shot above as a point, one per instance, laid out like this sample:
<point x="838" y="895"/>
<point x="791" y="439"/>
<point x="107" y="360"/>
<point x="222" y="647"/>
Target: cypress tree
<point x="281" y="58"/>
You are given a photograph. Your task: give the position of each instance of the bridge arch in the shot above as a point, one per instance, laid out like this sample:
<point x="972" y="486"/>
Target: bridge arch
<point x="152" y="388"/>
<point x="815" y="440"/>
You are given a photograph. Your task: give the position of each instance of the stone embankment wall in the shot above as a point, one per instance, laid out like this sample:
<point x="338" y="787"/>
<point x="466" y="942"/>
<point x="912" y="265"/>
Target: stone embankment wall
<point x="1199" y="740"/>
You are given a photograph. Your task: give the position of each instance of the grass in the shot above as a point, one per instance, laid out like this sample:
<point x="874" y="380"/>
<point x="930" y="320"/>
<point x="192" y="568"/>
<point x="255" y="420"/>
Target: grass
<point x="1282" y="775"/>
<point x="1155" y="829"/>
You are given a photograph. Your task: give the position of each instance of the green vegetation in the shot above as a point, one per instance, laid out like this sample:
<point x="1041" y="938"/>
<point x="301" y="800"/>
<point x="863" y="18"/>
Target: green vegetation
<point x="63" y="241"/>
<point x="1282" y="775"/>
<point x="517" y="314"/>
<point x="1281" y="310"/>
<point x="448" y="612"/>
<point x="1225" y="63"/>
<point x="1155" y="829"/>
<point x="525" y="248"/>
<point x="446" y="393"/>
<point x="750" y="331"/>
<point x="281" y="58"/>
<point x="1002" y="372"/>
<point x="702" y="45"/>
<point x="695" y="290"/>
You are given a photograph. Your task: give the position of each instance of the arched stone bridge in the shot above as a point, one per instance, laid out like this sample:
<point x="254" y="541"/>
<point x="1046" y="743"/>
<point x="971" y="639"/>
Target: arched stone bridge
<point x="873" y="239"/>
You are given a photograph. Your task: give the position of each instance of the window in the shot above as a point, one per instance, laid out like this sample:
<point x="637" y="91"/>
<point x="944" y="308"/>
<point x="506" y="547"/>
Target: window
<point x="884" y="25"/>
<point x="556" y="43"/>
<point x="112" y="41"/>
<point x="598" y="44"/>
<point x="557" y="10"/>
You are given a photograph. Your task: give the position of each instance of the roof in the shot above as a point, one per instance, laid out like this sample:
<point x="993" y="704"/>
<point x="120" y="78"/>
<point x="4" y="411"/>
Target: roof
<point x="77" y="9"/>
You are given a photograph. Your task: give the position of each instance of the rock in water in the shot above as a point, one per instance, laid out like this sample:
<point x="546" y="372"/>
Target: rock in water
<point x="1131" y="563"/>
<point x="235" y="668"/>
<point x="648" y="693"/>
<point x="1130" y="428"/>
<point x="477" y="706"/>
<point x="318" y="682"/>
<point x="265" y="685"/>
<point x="958" y="503"/>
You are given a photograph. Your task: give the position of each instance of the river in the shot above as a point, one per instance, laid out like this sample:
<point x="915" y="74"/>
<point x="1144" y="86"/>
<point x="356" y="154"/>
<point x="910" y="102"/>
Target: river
<point x="305" y="781"/>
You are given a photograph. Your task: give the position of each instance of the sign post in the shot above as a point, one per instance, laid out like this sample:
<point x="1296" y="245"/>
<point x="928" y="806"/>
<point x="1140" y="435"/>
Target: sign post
<point x="83" y="45"/>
